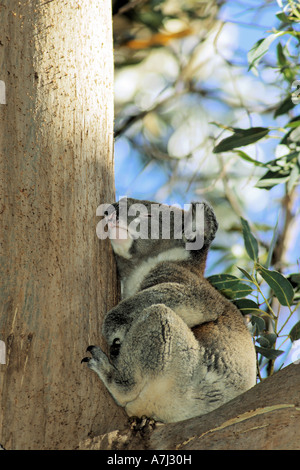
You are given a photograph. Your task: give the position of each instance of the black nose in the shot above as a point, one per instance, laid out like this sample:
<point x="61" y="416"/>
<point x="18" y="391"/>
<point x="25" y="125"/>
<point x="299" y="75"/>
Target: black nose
<point x="110" y="216"/>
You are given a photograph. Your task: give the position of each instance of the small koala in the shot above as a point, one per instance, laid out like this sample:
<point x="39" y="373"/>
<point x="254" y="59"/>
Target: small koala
<point x="177" y="347"/>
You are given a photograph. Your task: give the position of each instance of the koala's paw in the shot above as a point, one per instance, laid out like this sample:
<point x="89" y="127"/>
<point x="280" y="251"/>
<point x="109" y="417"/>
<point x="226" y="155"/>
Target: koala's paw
<point x="143" y="425"/>
<point x="97" y="358"/>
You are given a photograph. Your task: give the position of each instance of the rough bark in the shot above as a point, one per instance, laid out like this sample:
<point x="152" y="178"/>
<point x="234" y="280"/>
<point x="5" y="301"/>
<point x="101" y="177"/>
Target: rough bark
<point x="57" y="278"/>
<point x="265" y="417"/>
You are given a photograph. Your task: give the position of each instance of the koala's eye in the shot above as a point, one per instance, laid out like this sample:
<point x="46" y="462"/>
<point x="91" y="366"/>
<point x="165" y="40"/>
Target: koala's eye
<point x="115" y="348"/>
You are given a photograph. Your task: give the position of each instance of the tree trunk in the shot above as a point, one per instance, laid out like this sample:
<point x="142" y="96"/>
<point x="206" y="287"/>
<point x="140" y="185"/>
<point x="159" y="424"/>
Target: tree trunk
<point x="266" y="417"/>
<point x="57" y="278"/>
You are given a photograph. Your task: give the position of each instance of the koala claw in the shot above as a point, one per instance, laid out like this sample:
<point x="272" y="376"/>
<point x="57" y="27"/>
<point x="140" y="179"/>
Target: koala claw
<point x="97" y="355"/>
<point x="142" y="425"/>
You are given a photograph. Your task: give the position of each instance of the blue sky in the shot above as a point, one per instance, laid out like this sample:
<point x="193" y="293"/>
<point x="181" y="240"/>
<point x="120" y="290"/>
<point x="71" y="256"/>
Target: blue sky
<point x="136" y="177"/>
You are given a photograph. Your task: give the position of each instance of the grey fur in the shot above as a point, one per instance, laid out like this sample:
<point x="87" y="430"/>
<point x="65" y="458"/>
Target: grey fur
<point x="178" y="348"/>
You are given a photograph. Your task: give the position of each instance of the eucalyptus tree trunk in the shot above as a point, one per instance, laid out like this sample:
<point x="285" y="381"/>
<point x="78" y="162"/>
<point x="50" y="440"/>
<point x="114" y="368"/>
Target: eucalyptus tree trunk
<point x="57" y="278"/>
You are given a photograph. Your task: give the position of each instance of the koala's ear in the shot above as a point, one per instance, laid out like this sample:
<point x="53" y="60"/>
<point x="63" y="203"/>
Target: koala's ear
<point x="210" y="224"/>
<point x="200" y="225"/>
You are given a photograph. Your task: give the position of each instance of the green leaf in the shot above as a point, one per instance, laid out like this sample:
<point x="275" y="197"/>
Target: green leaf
<point x="282" y="17"/>
<point x="293" y="124"/>
<point x="246" y="157"/>
<point x="285" y="162"/>
<point x="294" y="334"/>
<point x="287" y="138"/>
<point x="271" y="178"/>
<point x="285" y="106"/>
<point x="246" y="306"/>
<point x="281" y="286"/>
<point x="240" y="138"/>
<point x="246" y="274"/>
<point x="279" y="171"/>
<point x="272" y="245"/>
<point x="294" y="279"/>
<point x="260" y="48"/>
<point x="258" y="323"/>
<point x="221" y="281"/>
<point x="281" y="59"/>
<point x="269" y="353"/>
<point x="263" y="342"/>
<point x="249" y="240"/>
<point x="271" y="337"/>
<point x="230" y="286"/>
<point x="267" y="339"/>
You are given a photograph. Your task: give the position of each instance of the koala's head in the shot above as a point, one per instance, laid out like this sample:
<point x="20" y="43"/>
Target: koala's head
<point x="139" y="230"/>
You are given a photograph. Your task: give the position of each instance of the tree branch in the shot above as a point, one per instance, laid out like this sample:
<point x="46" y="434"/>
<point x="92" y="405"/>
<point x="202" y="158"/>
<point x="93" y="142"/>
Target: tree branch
<point x="254" y="420"/>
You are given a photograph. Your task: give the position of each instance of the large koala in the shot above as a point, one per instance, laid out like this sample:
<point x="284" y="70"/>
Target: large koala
<point x="178" y="348"/>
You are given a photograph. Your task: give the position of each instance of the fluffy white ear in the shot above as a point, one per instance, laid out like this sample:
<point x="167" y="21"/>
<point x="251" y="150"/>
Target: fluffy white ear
<point x="119" y="235"/>
<point x="210" y="224"/>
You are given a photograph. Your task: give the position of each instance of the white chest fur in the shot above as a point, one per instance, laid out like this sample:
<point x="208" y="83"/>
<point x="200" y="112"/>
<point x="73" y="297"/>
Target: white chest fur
<point x="132" y="283"/>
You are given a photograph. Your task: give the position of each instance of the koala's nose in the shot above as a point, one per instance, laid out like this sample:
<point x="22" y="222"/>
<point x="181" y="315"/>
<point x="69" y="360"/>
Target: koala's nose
<point x="111" y="219"/>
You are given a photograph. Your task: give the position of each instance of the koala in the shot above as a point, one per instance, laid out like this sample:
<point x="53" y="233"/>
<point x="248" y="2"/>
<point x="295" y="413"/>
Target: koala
<point x="177" y="347"/>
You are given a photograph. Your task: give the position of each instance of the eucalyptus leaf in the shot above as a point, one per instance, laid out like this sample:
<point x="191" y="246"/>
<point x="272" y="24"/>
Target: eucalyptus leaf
<point x="294" y="279"/>
<point x="282" y="17"/>
<point x="285" y="106"/>
<point x="240" y="138"/>
<point x="272" y="178"/>
<point x="230" y="286"/>
<point x="280" y="167"/>
<point x="286" y="139"/>
<point x="268" y="352"/>
<point x="293" y="124"/>
<point x="246" y="274"/>
<point x="272" y="245"/>
<point x="267" y="339"/>
<point x="246" y="157"/>
<point x="249" y="240"/>
<point x="260" y="48"/>
<point x="272" y="337"/>
<point x="246" y="306"/>
<point x="294" y="334"/>
<point x="263" y="342"/>
<point x="281" y="286"/>
<point x="258" y="323"/>
<point x="281" y="59"/>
